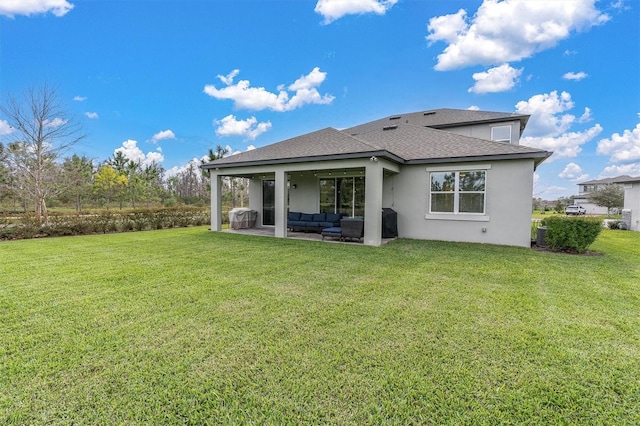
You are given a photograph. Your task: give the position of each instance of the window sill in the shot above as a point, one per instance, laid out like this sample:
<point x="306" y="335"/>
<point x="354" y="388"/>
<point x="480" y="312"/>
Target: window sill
<point x="458" y="217"/>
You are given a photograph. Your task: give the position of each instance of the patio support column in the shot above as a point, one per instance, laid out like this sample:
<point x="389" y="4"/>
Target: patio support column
<point x="281" y="204"/>
<point x="373" y="203"/>
<point x="216" y="202"/>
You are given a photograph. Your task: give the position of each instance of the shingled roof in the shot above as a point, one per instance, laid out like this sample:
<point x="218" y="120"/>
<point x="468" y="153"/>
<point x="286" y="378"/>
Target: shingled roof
<point x="440" y="119"/>
<point x="415" y="144"/>
<point x="402" y="143"/>
<point x="323" y="144"/>
<point x="617" y="179"/>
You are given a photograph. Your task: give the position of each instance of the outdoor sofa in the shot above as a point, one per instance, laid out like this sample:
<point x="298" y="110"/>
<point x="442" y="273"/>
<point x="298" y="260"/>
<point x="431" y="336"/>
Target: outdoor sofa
<point x="312" y="222"/>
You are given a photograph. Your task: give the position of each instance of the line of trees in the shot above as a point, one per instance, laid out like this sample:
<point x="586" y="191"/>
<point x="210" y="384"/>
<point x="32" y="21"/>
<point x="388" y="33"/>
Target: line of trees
<point x="38" y="168"/>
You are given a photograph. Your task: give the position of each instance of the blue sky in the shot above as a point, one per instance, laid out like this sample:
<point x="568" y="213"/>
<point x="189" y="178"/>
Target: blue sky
<point x="165" y="80"/>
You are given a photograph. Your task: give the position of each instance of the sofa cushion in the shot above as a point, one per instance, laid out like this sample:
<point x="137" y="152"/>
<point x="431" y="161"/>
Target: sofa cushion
<point x="294" y="215"/>
<point x="306" y="217"/>
<point x="296" y="223"/>
<point x="332" y="231"/>
<point x="319" y="217"/>
<point x="333" y="217"/>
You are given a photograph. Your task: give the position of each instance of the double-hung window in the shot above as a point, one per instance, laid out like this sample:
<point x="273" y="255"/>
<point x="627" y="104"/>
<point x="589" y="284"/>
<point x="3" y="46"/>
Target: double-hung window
<point x="458" y="192"/>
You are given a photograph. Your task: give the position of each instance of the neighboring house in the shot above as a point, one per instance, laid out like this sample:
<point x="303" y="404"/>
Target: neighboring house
<point x="455" y="175"/>
<point x="631" y="210"/>
<point x="586" y="188"/>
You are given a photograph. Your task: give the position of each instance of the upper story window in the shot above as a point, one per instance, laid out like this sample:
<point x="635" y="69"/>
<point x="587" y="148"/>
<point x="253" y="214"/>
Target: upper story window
<point x="458" y="192"/>
<point x="501" y="133"/>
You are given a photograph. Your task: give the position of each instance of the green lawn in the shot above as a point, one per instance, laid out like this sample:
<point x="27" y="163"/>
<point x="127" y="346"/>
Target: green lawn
<point x="186" y="326"/>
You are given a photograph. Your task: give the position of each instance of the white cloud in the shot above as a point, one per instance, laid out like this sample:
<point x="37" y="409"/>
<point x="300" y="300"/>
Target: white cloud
<point x="131" y="150"/>
<point x="447" y="27"/>
<point x="336" y="9"/>
<point x="567" y="145"/>
<point x="228" y="79"/>
<point x="92" y="115"/>
<point x="11" y="8"/>
<point x="509" y="30"/>
<point x="79" y="98"/>
<point x="258" y="98"/>
<point x="548" y="127"/>
<point x="249" y="128"/>
<point x="498" y="79"/>
<point x="586" y="116"/>
<point x="193" y="163"/>
<point x="56" y="122"/>
<point x="574" y="172"/>
<point x="474" y="108"/>
<point x="575" y="76"/>
<point x="5" y="128"/>
<point x="164" y="134"/>
<point x="623" y="147"/>
<point x="620" y="4"/>
<point x="546" y="113"/>
<point x="632" y="169"/>
<point x="231" y="151"/>
<point x="553" y="192"/>
<point x="153" y="157"/>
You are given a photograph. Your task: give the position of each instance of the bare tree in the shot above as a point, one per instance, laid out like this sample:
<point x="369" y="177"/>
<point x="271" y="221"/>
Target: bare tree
<point x="190" y="185"/>
<point x="42" y="133"/>
<point x="5" y="177"/>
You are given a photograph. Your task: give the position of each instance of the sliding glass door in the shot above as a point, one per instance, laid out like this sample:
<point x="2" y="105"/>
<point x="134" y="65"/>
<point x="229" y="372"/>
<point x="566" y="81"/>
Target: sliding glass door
<point x="342" y="195"/>
<point x="268" y="202"/>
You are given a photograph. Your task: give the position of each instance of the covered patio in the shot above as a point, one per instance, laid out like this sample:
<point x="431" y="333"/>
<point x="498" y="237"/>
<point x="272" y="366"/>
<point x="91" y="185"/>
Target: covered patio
<point x="276" y="189"/>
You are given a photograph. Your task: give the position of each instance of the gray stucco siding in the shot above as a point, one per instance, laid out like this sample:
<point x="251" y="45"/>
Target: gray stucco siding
<point x="483" y="131"/>
<point x="632" y="202"/>
<point x="507" y="217"/>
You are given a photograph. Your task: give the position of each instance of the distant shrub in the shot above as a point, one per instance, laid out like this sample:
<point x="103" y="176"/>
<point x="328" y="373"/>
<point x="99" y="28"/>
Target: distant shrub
<point x="575" y="234"/>
<point x="614" y="224"/>
<point x="27" y="226"/>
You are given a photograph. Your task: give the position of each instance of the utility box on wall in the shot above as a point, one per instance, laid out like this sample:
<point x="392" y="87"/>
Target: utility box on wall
<point x="626" y="219"/>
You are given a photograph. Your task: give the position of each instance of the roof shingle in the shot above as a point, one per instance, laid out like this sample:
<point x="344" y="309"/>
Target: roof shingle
<point x="414" y="143"/>
<point x="393" y="138"/>
<point x="439" y="119"/>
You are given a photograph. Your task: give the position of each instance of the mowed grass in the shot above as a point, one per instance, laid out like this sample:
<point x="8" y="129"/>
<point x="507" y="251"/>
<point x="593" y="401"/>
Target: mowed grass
<point x="186" y="326"/>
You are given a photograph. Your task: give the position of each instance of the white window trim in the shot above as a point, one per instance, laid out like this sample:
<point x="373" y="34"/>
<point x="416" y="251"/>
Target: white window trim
<point x="471" y="217"/>
<point x="501" y="140"/>
<point x="463" y="217"/>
